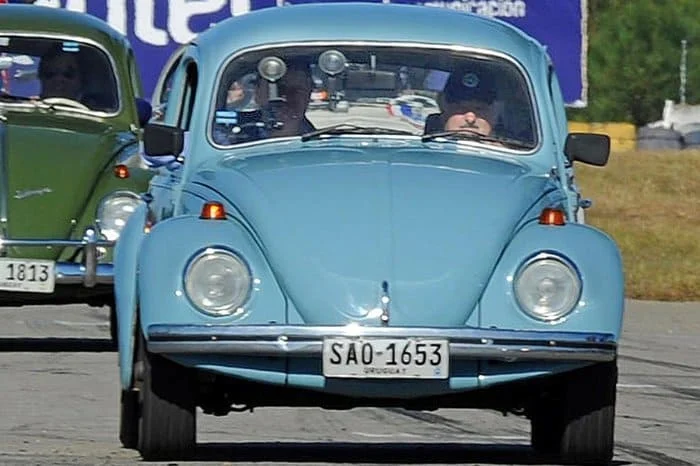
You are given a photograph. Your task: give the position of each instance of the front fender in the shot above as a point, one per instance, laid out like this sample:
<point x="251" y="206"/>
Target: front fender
<point x="597" y="259"/>
<point x="126" y="255"/>
<point x="165" y="255"/>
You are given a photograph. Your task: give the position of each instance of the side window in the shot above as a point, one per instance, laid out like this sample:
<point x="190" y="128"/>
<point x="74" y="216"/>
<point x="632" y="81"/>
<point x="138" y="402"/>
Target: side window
<point x="164" y="86"/>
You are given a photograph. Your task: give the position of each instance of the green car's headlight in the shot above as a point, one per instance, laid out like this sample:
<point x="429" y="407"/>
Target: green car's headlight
<point x="218" y="282"/>
<point x="113" y="212"/>
<point x="547" y="287"/>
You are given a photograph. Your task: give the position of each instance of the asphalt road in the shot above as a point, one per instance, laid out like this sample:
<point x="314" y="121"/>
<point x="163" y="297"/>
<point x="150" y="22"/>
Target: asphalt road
<point x="59" y="405"/>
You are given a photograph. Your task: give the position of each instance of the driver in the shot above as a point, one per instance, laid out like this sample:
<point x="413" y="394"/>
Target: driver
<point x="467" y="104"/>
<point x="60" y="76"/>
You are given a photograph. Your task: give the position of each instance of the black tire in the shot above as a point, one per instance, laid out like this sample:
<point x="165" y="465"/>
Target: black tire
<point x="167" y="427"/>
<point x="129" y="419"/>
<point x="578" y="426"/>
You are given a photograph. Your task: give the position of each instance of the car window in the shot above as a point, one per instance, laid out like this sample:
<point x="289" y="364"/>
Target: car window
<point x="289" y="91"/>
<point x="67" y="72"/>
<point x="161" y="94"/>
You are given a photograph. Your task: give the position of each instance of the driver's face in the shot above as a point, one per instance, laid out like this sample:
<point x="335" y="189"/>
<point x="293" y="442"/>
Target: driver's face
<point x="480" y="108"/>
<point x="294" y="90"/>
<point x="61" y="77"/>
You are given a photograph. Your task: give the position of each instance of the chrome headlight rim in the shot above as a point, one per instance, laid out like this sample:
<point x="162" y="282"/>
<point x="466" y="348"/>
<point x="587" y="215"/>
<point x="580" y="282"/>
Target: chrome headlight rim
<point x="556" y="315"/>
<point x="232" y="309"/>
<point x="101" y="206"/>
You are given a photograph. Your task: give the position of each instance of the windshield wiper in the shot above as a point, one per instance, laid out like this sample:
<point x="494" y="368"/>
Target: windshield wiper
<point x="345" y="128"/>
<point x="473" y="136"/>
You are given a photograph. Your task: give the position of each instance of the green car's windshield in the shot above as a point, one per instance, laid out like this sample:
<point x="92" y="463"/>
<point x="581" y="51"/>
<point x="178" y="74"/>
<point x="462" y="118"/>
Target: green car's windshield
<point x="332" y="90"/>
<point x="56" y="72"/>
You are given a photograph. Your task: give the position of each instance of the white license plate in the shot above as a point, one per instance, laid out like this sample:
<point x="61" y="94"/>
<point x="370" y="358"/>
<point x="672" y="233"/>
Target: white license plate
<point x="27" y="275"/>
<point x="386" y="358"/>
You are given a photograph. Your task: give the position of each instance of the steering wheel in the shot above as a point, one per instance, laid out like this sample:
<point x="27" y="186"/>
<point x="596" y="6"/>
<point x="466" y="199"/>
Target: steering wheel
<point x="65" y="101"/>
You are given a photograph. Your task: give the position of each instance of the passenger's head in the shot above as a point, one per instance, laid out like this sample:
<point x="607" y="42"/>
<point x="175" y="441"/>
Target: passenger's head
<point x="240" y="94"/>
<point x="60" y="75"/>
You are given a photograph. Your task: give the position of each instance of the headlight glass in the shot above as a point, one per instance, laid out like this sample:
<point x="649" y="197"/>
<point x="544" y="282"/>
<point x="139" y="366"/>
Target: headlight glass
<point x="113" y="213"/>
<point x="218" y="282"/>
<point x="547" y="288"/>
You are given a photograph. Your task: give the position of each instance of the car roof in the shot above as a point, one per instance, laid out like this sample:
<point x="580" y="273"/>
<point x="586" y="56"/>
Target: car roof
<point x="363" y="22"/>
<point x="43" y="19"/>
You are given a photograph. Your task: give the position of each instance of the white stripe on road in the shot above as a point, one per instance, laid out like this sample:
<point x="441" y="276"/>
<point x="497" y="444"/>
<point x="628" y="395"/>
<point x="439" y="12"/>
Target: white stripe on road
<point x="503" y="438"/>
<point x="65" y="323"/>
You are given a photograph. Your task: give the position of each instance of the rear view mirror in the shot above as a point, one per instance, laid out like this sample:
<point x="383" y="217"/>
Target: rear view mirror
<point x="159" y="139"/>
<point x="593" y="149"/>
<point x="366" y="80"/>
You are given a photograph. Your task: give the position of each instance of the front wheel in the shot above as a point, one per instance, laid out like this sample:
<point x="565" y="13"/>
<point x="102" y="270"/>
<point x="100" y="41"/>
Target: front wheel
<point x="129" y="419"/>
<point x="578" y="423"/>
<point x="167" y="427"/>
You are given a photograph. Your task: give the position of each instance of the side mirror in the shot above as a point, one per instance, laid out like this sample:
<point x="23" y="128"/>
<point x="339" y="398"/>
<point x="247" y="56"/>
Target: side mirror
<point x="593" y="149"/>
<point x="161" y="139"/>
<point x="144" y="110"/>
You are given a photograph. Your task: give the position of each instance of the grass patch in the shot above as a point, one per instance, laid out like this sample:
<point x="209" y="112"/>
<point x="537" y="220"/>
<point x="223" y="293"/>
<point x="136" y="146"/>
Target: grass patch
<point x="649" y="202"/>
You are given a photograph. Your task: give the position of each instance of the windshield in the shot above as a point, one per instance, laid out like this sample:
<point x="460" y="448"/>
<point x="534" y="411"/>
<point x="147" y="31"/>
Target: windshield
<point x="326" y="91"/>
<point x="57" y="72"/>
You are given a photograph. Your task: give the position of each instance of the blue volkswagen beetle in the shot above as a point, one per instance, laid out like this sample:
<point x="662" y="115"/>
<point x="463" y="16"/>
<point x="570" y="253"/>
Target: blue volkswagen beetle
<point x="297" y="255"/>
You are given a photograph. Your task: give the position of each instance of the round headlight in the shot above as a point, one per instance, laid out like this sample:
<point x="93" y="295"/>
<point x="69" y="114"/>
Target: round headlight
<point x="114" y="211"/>
<point x="547" y="288"/>
<point x="218" y="282"/>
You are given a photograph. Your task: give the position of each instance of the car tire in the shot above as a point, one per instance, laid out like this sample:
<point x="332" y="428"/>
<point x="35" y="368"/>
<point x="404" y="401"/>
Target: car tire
<point x="129" y="419"/>
<point x="167" y="427"/>
<point x="578" y="425"/>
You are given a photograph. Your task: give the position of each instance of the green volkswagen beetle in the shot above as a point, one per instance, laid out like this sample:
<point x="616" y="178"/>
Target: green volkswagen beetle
<point x="70" y="175"/>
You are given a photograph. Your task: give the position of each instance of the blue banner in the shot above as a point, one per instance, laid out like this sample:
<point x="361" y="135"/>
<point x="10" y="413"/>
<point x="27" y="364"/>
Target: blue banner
<point x="156" y="27"/>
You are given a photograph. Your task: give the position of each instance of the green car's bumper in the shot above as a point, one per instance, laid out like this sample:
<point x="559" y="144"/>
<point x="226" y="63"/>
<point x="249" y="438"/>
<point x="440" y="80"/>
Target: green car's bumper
<point x="88" y="272"/>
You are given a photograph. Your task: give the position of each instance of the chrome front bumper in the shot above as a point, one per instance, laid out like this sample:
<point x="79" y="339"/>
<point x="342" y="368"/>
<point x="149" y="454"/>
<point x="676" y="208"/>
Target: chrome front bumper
<point x="303" y="341"/>
<point x="88" y="273"/>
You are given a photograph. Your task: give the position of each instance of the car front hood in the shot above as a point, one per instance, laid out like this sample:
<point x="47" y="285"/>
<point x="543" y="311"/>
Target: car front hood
<point x="52" y="164"/>
<point x="338" y="224"/>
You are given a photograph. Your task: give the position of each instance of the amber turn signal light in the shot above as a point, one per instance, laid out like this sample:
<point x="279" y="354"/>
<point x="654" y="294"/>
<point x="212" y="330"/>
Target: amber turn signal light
<point x="213" y="211"/>
<point x="552" y="217"/>
<point x="121" y="171"/>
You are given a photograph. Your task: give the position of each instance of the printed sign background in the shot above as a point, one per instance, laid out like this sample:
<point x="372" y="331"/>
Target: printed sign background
<point x="156" y="27"/>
